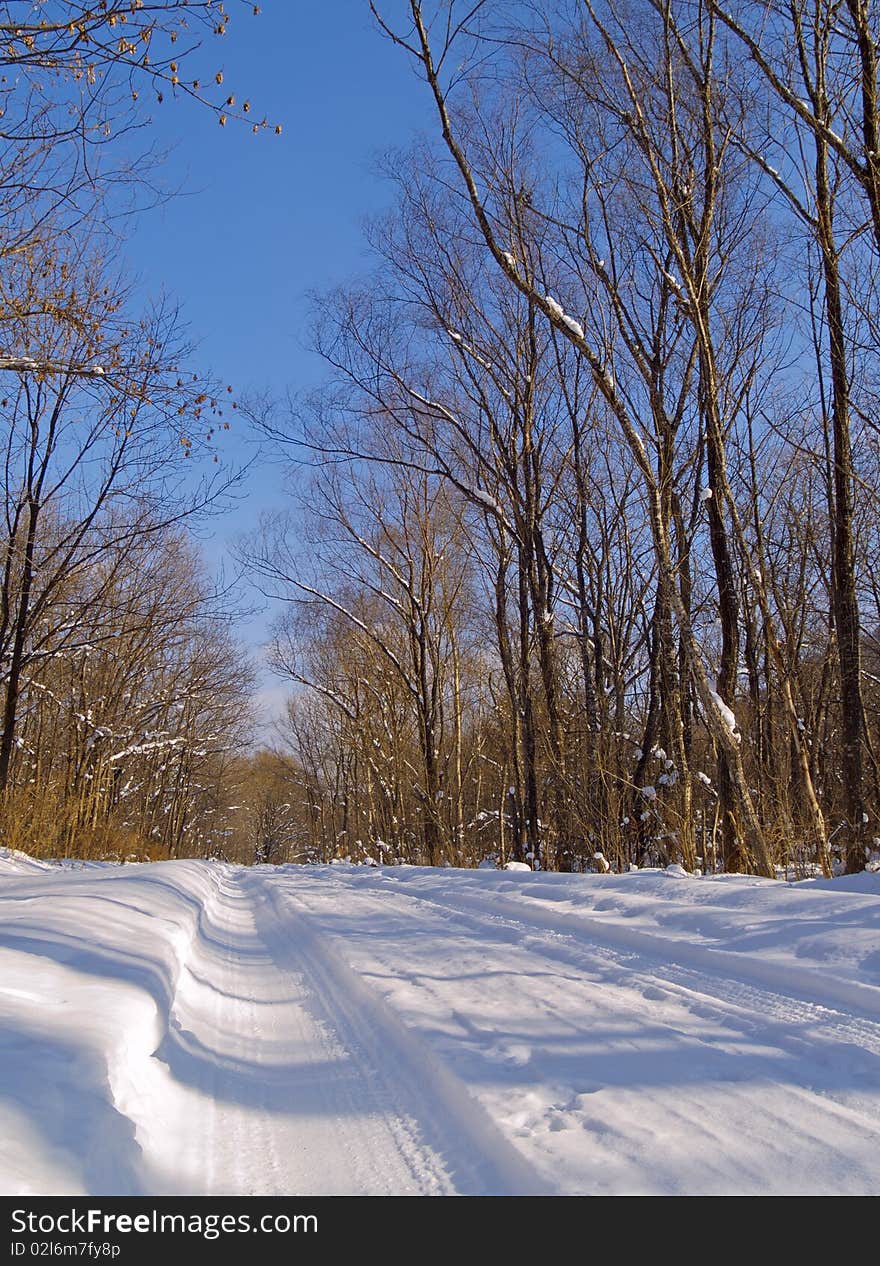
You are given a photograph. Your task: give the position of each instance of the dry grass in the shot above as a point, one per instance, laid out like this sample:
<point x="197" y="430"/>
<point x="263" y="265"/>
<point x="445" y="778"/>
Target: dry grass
<point x="44" y="825"/>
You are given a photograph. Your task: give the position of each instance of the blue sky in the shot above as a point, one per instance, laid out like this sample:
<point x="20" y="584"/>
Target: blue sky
<point x="262" y="220"/>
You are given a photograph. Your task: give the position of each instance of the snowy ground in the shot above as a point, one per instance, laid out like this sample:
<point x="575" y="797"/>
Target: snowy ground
<point x="193" y="1027"/>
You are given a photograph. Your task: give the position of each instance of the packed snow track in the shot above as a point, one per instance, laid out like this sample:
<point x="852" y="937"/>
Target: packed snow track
<point x="201" y="1028"/>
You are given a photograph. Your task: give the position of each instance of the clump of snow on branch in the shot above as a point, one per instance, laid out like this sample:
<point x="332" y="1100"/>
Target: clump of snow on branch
<point x="726" y="713"/>
<point x="486" y="499"/>
<point x="559" y="314"/>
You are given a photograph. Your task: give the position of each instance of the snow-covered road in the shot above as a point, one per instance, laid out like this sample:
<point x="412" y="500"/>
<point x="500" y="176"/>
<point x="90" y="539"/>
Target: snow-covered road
<point x="193" y="1027"/>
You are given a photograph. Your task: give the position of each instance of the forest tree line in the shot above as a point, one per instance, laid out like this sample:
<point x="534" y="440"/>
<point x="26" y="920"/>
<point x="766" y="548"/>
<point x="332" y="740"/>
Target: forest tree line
<point x="580" y="563"/>
<point x="125" y="696"/>
<point x="583" y="565"/>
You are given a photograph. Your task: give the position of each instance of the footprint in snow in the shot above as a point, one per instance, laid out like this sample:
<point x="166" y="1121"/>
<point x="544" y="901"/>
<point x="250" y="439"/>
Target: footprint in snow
<point x="653" y="994"/>
<point x="558" y="1121"/>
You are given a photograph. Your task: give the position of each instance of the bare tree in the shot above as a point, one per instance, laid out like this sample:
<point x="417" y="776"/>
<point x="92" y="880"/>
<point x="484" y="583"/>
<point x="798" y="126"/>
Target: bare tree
<point x="98" y="424"/>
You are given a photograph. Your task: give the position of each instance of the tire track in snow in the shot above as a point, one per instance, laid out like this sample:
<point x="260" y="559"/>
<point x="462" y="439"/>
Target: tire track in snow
<point x="258" y="1096"/>
<point x="480" y="1160"/>
<point x="803" y="984"/>
<point x="786" y="1050"/>
<point x="309" y="1032"/>
<point x="734" y="980"/>
<point x="280" y="1073"/>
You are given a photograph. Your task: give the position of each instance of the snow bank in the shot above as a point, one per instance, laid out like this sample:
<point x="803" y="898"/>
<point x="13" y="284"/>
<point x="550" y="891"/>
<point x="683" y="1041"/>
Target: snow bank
<point x="13" y="862"/>
<point x="90" y="960"/>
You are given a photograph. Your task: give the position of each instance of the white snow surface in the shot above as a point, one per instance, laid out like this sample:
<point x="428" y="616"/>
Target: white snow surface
<point x="193" y="1027"/>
